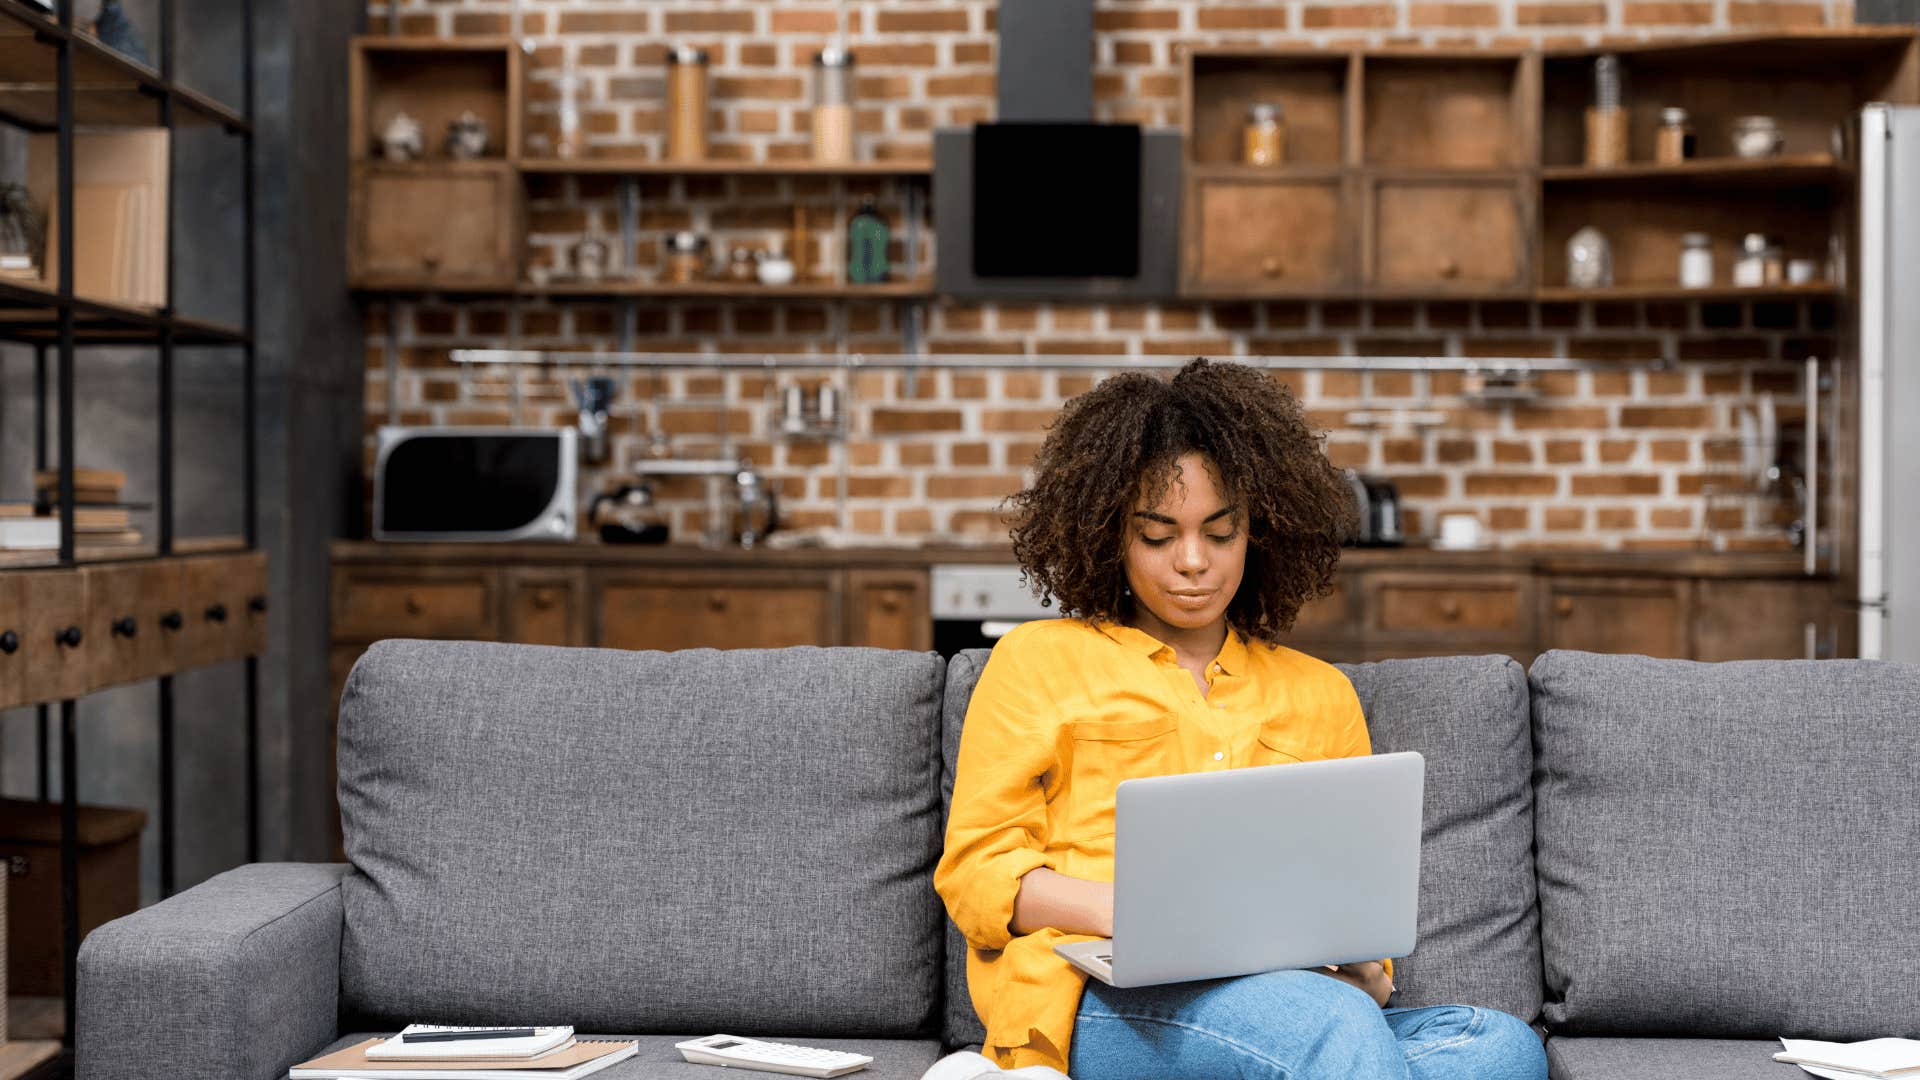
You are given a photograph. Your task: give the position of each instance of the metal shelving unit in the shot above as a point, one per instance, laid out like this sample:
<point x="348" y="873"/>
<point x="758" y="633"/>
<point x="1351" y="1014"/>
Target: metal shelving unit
<point x="53" y="78"/>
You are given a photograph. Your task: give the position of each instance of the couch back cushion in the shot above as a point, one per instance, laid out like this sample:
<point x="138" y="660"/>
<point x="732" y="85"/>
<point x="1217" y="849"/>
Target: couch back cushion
<point x="642" y="841"/>
<point x="1479" y="936"/>
<point x="1728" y="849"/>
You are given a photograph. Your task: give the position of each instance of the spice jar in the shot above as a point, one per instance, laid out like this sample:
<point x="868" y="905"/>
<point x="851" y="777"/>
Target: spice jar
<point x="1673" y="142"/>
<point x="686" y="257"/>
<point x="686" y="104"/>
<point x="1696" y="261"/>
<point x="741" y="266"/>
<point x="1607" y="116"/>
<point x="1750" y="269"/>
<point x="1263" y="141"/>
<point x="833" y="105"/>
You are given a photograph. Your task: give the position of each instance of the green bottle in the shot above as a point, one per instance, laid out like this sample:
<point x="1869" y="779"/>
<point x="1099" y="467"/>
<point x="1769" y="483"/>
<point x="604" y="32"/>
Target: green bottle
<point x="867" y="246"/>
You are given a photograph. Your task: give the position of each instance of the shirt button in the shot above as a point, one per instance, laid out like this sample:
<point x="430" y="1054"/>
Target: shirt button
<point x="1219" y="754"/>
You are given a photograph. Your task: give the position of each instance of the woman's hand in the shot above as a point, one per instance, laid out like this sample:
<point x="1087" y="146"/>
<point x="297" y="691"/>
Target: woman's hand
<point x="1368" y="975"/>
<point x="1070" y="904"/>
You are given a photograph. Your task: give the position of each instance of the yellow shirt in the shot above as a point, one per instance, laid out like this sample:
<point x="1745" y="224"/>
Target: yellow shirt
<point x="1066" y="709"/>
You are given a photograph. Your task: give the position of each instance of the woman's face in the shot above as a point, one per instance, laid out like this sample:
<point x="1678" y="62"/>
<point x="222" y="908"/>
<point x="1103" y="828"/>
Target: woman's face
<point x="1185" y="554"/>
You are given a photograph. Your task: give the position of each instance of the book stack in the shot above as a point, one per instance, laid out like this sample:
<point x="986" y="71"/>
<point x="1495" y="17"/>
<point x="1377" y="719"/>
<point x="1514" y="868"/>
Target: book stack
<point x="432" y="1052"/>
<point x="100" y="518"/>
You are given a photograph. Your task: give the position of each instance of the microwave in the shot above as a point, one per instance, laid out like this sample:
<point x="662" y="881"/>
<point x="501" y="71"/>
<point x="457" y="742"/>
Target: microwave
<point x="476" y="483"/>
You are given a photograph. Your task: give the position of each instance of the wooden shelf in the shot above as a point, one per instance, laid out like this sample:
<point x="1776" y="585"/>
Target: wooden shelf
<point x="22" y="1058"/>
<point x="643" y="167"/>
<point x="1796" y="169"/>
<point x="1812" y="291"/>
<point x="826" y="290"/>
<point x="29" y="313"/>
<point x="109" y="87"/>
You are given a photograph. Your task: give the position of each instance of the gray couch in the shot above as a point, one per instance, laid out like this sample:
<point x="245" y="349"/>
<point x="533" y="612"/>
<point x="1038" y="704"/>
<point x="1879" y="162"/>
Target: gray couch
<point x="1665" y="863"/>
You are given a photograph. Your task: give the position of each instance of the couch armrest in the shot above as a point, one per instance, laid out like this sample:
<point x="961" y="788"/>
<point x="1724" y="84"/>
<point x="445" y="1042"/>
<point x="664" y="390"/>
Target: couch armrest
<point x="238" y="977"/>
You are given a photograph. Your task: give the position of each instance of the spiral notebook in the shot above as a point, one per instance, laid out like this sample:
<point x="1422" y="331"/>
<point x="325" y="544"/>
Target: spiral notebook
<point x="584" y="1058"/>
<point x="543" y="1041"/>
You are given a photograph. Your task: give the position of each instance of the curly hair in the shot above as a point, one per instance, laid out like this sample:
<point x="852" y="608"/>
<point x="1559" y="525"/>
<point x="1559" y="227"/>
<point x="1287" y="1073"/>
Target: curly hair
<point x="1122" y="439"/>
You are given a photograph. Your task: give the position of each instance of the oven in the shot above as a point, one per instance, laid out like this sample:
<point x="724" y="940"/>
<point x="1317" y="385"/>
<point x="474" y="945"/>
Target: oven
<point x="974" y="606"/>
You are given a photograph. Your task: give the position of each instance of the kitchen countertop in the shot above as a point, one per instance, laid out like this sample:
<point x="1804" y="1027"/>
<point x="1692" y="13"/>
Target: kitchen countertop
<point x="1689" y="563"/>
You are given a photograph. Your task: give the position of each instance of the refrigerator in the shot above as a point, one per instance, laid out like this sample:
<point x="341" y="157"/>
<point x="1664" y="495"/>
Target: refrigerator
<point x="1884" y="579"/>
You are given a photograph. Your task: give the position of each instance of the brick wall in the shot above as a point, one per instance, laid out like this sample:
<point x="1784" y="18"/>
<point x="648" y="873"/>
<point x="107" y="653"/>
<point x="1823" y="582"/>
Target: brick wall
<point x="1610" y="459"/>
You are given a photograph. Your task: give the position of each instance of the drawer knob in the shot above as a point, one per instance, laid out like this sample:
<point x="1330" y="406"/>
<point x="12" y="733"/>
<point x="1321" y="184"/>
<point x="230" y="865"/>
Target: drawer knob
<point x="124" y="626"/>
<point x="172" y="620"/>
<point x="257" y="605"/>
<point x="716" y="602"/>
<point x="1271" y="267"/>
<point x="542" y="600"/>
<point x="9" y="642"/>
<point x="1449" y="268"/>
<point x="1563" y="606"/>
<point x="1450" y="608"/>
<point x="413" y="605"/>
<point x="217" y="613"/>
<point x="70" y="637"/>
<point x="890" y="604"/>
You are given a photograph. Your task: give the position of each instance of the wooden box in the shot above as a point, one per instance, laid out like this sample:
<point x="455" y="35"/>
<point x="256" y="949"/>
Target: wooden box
<point x="109" y="840"/>
<point x="1453" y="110"/>
<point x="1309" y="86"/>
<point x="441" y="225"/>
<point x="1255" y="235"/>
<point x="1437" y="234"/>
<point x="435" y="81"/>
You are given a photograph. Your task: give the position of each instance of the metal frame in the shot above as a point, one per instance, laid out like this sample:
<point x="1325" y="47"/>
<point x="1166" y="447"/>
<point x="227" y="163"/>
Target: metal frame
<point x="60" y="324"/>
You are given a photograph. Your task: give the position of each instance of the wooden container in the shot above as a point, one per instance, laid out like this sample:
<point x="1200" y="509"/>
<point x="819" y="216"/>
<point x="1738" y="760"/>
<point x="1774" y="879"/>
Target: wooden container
<point x="109" y="840"/>
<point x="1606" y="136"/>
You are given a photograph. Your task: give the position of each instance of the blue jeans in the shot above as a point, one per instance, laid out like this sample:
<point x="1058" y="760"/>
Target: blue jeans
<point x="1291" y="1025"/>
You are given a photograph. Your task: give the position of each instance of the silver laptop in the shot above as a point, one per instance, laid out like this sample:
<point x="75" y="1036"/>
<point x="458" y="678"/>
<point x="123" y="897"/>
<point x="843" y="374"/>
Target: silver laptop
<point x="1259" y="869"/>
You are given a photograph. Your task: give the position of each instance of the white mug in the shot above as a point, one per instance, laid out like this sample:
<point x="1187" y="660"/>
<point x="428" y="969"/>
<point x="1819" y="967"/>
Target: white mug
<point x="1459" y="531"/>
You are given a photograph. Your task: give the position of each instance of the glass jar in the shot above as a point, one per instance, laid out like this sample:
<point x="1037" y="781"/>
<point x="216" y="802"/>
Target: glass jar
<point x="833" y="105"/>
<point x="1757" y="137"/>
<point x="1696" y="261"/>
<point x="686" y="104"/>
<point x="686" y="257"/>
<point x="1673" y="142"/>
<point x="1263" y="141"/>
<point x="741" y="265"/>
<point x="1589" y="260"/>
<point x="571" y="142"/>
<point x="1750" y="269"/>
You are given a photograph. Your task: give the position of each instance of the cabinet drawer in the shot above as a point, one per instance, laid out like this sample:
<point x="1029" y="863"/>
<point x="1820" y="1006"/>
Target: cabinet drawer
<point x="1496" y="606"/>
<point x="1270" y="236"/>
<point x="426" y="224"/>
<point x="544" y="607"/>
<point x="13" y="639"/>
<point x="1447" y="235"/>
<point x="55" y="645"/>
<point x="456" y="604"/>
<point x="1619" y="616"/>
<point x="887" y="609"/>
<point x="125" y="608"/>
<point x="649" y="615"/>
<point x="1332" y="613"/>
<point x="211" y="601"/>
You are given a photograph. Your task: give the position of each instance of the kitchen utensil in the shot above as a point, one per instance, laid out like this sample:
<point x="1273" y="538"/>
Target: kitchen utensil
<point x="466" y="136"/>
<point x="629" y="515"/>
<point x="594" y="397"/>
<point x="1459" y="532"/>
<point x="867" y="246"/>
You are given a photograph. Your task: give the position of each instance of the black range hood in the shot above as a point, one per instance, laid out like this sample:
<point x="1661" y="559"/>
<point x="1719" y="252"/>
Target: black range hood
<point x="1043" y="203"/>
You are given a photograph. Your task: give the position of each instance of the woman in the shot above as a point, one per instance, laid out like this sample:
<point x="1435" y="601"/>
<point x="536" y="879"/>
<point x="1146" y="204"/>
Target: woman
<point x="1180" y="525"/>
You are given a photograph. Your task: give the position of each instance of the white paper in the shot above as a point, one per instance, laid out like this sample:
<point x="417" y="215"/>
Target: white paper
<point x="1849" y="1061"/>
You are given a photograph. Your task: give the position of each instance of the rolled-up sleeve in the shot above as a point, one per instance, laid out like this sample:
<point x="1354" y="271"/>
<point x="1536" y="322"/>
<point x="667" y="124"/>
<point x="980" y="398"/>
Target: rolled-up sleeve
<point x="997" y="828"/>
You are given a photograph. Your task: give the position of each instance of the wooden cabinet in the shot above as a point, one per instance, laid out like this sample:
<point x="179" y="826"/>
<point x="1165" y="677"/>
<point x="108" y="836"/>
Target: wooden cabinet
<point x="416" y="602"/>
<point x="1269" y="235"/>
<point x="13" y="631"/>
<point x="1762" y="620"/>
<point x="1433" y="235"/>
<point x="546" y="606"/>
<point x="54" y="644"/>
<point x="1618" y="615"/>
<point x="436" y="225"/>
<point x="887" y="609"/>
<point x="715" y="610"/>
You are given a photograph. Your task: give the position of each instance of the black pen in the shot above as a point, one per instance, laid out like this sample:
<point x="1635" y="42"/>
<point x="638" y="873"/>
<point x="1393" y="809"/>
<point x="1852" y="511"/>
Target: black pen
<point x="462" y="1036"/>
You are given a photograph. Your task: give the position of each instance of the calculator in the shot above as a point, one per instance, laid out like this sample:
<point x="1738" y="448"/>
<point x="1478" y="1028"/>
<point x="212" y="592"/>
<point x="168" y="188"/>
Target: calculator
<point x="732" y="1051"/>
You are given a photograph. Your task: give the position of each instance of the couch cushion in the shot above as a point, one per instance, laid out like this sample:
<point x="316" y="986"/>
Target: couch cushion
<point x="893" y="1059"/>
<point x="642" y="841"/>
<point x="1728" y="849"/>
<point x="1479" y="936"/>
<point x="1694" y="1059"/>
<point x="961" y="1026"/>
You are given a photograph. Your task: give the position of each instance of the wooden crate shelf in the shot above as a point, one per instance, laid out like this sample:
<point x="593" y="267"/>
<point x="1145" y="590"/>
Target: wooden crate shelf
<point x="612" y="166"/>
